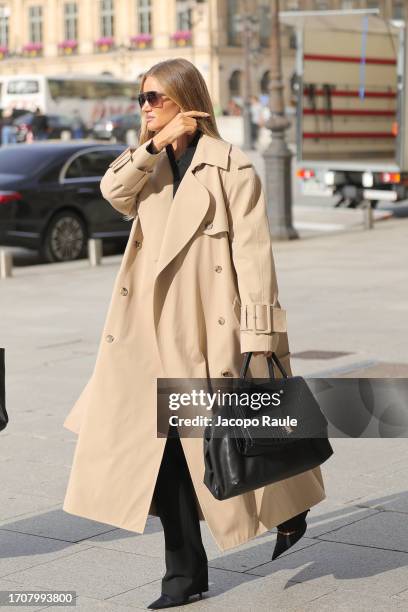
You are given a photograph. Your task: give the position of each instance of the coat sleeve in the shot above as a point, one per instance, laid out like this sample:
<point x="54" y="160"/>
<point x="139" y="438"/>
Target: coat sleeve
<point x="262" y="317"/>
<point x="126" y="176"/>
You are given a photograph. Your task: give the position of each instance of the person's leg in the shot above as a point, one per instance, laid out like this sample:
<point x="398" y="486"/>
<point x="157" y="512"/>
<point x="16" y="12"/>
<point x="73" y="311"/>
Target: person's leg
<point x="6" y="134"/>
<point x="186" y="559"/>
<point x="254" y="134"/>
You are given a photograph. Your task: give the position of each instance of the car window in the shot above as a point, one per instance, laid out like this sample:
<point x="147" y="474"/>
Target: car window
<point x="52" y="121"/>
<point x="59" y="120"/>
<point x="23" y="119"/>
<point x="23" y="86"/>
<point x="51" y="175"/>
<point x="91" y="163"/>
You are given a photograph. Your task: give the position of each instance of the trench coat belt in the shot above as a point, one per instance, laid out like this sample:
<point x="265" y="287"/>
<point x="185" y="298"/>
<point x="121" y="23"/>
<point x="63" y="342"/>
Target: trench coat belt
<point x="263" y="318"/>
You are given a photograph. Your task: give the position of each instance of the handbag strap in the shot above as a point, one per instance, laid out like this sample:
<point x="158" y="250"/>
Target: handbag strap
<point x="275" y="358"/>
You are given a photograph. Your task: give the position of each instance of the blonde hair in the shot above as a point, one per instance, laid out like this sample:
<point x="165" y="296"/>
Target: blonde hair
<point x="185" y="85"/>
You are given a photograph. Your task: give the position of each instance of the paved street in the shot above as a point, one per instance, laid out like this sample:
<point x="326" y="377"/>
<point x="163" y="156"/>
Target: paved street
<point x="344" y="290"/>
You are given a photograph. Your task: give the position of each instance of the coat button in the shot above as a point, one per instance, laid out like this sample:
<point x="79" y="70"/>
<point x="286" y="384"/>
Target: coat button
<point x="218" y="268"/>
<point x="124" y="291"/>
<point x="221" y="320"/>
<point x="109" y="338"/>
<point x="138" y="244"/>
<point x="208" y="225"/>
<point x="226" y="373"/>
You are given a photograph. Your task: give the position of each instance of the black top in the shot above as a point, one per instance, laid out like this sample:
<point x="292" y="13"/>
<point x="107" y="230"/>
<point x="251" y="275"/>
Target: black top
<point x="39" y="123"/>
<point x="179" y="166"/>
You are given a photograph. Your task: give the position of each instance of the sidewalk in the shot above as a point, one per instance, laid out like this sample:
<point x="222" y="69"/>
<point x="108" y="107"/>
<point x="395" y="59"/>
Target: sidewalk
<point x="345" y="292"/>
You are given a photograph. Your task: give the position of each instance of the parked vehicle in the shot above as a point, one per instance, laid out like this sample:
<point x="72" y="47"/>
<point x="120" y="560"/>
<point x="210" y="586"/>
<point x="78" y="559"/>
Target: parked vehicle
<point x="50" y="199"/>
<point x="59" y="126"/>
<point x="351" y="82"/>
<point x="93" y="96"/>
<point x="120" y="128"/>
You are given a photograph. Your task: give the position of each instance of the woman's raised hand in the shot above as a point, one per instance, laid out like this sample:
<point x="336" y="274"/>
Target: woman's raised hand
<point x="182" y="123"/>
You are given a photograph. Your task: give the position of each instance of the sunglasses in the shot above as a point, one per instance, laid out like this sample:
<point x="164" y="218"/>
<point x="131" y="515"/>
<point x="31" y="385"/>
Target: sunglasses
<point x="153" y="98"/>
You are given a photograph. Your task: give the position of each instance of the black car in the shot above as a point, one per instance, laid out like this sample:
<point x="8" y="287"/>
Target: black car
<point x="50" y="198"/>
<point x="120" y="128"/>
<point x="59" y="126"/>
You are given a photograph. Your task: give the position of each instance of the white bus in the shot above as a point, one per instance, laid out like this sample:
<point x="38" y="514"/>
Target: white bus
<point x="95" y="97"/>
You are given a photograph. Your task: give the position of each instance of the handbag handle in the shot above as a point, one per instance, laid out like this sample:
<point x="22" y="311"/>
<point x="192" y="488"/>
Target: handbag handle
<point x="247" y="359"/>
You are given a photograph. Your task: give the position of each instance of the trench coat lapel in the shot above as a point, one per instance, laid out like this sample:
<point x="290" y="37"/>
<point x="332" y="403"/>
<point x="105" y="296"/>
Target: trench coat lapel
<point x="192" y="199"/>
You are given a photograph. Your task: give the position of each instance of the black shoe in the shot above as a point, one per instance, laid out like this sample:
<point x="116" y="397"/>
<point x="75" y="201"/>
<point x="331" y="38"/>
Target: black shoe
<point x="166" y="601"/>
<point x="289" y="533"/>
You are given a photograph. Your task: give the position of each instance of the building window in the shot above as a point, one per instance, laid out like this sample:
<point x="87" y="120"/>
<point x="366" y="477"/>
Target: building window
<point x="347" y="5"/>
<point x="144" y="15"/>
<point x="264" y="23"/>
<point x="322" y="5"/>
<point x="183" y="15"/>
<point x="233" y="36"/>
<point x="235" y="84"/>
<point x="398" y="9"/>
<point x="70" y="21"/>
<point x="107" y="18"/>
<point x="35" y="24"/>
<point x="292" y="5"/>
<point x="4" y="26"/>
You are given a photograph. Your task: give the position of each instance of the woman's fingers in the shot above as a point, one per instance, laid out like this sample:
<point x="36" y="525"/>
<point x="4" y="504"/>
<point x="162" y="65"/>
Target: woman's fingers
<point x="192" y="113"/>
<point x="182" y="123"/>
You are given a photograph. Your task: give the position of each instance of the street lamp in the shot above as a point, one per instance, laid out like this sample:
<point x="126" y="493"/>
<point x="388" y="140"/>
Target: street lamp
<point x="247" y="24"/>
<point x="277" y="156"/>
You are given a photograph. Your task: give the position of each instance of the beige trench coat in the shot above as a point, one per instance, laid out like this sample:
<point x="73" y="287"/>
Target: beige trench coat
<point x="213" y="296"/>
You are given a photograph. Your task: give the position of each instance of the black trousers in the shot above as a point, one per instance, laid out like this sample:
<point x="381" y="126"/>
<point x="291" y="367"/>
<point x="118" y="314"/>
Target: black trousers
<point x="186" y="559"/>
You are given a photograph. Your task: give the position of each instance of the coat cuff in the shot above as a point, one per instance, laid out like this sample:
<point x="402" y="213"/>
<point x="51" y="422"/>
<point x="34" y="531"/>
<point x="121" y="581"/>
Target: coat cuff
<point x="263" y="318"/>
<point x="258" y="342"/>
<point x="140" y="158"/>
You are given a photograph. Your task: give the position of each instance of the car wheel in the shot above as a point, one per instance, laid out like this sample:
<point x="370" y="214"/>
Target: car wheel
<point x="65" y="238"/>
<point x="131" y="138"/>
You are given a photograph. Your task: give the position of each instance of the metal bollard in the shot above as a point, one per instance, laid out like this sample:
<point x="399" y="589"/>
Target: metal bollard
<point x="6" y="263"/>
<point x="95" y="251"/>
<point x="368" y="215"/>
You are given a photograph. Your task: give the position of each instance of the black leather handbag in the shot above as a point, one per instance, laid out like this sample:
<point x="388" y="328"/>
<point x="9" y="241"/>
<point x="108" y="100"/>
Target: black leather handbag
<point x="3" y="412"/>
<point x="242" y="458"/>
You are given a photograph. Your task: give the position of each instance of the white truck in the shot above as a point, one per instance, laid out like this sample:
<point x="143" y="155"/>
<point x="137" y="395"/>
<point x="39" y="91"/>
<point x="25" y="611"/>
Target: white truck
<point x="352" y="107"/>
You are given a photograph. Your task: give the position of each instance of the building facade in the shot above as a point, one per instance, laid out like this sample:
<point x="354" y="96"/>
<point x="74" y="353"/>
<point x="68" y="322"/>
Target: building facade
<point x="125" y="37"/>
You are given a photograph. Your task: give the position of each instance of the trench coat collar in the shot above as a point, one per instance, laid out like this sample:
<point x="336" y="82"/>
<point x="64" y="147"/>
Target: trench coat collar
<point x="209" y="150"/>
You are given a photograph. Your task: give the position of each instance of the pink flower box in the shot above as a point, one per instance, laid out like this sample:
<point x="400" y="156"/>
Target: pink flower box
<point x="181" y="35"/>
<point x="141" y="38"/>
<point x="68" y="44"/>
<point x="33" y="47"/>
<point x="105" y="41"/>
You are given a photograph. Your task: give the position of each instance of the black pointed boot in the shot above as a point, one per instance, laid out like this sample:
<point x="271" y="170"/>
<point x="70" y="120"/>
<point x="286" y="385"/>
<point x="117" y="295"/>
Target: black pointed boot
<point x="290" y="532"/>
<point x="167" y="601"/>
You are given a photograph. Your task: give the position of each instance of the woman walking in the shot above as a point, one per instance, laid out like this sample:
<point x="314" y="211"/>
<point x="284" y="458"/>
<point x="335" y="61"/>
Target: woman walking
<point x="195" y="290"/>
